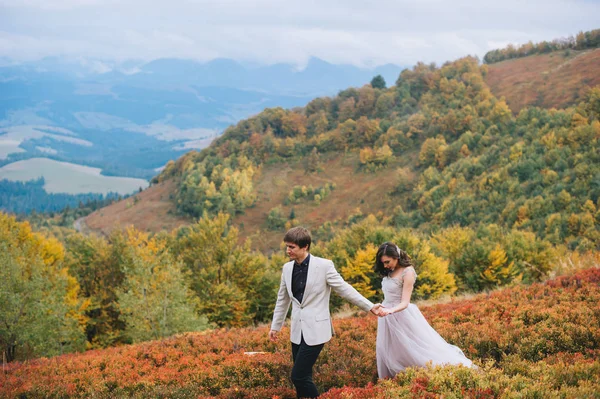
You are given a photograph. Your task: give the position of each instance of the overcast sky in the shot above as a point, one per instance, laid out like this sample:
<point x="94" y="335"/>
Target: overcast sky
<point x="359" y="32"/>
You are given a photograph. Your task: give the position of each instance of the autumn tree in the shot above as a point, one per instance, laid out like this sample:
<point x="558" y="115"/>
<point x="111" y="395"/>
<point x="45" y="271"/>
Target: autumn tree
<point x="359" y="271"/>
<point x="215" y="185"/>
<point x="451" y="242"/>
<point x="317" y="124"/>
<point x="499" y="271"/>
<point x="98" y="267"/>
<point x="385" y="104"/>
<point x="155" y="300"/>
<point x="233" y="283"/>
<point x="40" y="312"/>
<point x="312" y="163"/>
<point x="358" y="241"/>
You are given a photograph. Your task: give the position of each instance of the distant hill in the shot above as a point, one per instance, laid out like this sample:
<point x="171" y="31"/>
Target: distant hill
<point x="130" y="119"/>
<point x="436" y="150"/>
<point x="554" y="80"/>
<point x="318" y="77"/>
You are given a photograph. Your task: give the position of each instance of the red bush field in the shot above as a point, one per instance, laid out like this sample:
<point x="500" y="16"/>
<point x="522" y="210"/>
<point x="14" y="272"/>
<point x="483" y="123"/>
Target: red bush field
<point x="538" y="341"/>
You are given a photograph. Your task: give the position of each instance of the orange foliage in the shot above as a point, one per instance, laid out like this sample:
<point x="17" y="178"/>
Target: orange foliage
<point x="556" y="323"/>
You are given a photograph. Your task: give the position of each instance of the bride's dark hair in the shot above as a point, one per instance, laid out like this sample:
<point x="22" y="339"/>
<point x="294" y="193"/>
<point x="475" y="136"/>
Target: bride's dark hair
<point x="390" y="249"/>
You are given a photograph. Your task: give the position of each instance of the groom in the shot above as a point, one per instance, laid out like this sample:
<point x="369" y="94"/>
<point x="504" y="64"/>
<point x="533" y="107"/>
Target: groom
<point x="306" y="283"/>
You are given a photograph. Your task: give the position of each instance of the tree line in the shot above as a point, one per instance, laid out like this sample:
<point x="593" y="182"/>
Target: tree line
<point x="30" y="197"/>
<point x="581" y="41"/>
<point x="71" y="292"/>
<point x="64" y="291"/>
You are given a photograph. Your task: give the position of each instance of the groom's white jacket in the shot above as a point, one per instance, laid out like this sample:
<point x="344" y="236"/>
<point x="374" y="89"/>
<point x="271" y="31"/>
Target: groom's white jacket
<point x="311" y="318"/>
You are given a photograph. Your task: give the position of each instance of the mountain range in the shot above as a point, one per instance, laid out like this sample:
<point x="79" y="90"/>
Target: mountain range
<point x="129" y="119"/>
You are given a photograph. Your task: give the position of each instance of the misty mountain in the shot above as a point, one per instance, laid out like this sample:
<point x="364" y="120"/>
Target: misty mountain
<point x="317" y="78"/>
<point x="130" y="118"/>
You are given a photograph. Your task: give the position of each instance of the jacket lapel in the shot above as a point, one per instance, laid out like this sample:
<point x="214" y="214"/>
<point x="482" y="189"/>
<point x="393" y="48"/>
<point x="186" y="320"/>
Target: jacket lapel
<point x="312" y="265"/>
<point x="288" y="281"/>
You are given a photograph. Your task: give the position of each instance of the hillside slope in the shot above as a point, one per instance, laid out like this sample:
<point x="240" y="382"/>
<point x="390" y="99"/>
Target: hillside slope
<point x="554" y="80"/>
<point x="438" y="149"/>
<point x="354" y="193"/>
<point x="149" y="210"/>
<point x="153" y="210"/>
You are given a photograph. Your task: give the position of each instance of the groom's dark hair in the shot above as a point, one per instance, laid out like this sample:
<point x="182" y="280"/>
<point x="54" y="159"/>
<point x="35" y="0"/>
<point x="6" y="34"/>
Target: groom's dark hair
<point x="299" y="236"/>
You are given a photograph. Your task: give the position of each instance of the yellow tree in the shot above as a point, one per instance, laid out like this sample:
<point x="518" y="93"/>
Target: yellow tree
<point x="429" y="151"/>
<point x="500" y="113"/>
<point x="451" y="242"/>
<point x="384" y="105"/>
<point x="366" y="100"/>
<point x="383" y="154"/>
<point x="317" y="123"/>
<point x="366" y="131"/>
<point x="293" y="124"/>
<point x="359" y="271"/>
<point x="366" y="155"/>
<point x="40" y="313"/>
<point x="434" y="279"/>
<point x="347" y="109"/>
<point x="499" y="271"/>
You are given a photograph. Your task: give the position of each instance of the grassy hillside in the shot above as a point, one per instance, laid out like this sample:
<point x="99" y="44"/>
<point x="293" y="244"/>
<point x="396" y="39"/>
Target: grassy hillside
<point x="536" y="341"/>
<point x="554" y="80"/>
<point x="153" y="210"/>
<point x="352" y="192"/>
<point x="150" y="210"/>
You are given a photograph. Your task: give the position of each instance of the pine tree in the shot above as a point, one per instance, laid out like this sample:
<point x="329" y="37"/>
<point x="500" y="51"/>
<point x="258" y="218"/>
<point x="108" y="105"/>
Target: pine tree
<point x="378" y="82"/>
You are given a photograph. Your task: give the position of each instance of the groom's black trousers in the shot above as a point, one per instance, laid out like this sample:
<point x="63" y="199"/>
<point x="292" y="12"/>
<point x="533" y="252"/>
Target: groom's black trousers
<point x="305" y="357"/>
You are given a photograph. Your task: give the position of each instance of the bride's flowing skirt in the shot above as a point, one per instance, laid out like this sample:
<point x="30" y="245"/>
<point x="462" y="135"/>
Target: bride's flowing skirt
<point x="405" y="339"/>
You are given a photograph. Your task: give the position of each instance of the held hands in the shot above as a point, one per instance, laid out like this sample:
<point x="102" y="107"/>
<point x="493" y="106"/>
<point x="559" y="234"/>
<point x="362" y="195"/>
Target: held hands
<point x="380" y="310"/>
<point x="385" y="311"/>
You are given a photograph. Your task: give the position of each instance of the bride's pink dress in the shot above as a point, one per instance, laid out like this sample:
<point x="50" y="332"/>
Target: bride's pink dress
<point x="405" y="339"/>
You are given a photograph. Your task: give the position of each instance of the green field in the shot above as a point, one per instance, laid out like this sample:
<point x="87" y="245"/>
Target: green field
<point x="64" y="177"/>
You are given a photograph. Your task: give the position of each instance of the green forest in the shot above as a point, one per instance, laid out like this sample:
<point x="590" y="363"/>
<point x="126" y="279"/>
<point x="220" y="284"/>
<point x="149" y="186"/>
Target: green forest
<point x="30" y="197"/>
<point x="482" y="199"/>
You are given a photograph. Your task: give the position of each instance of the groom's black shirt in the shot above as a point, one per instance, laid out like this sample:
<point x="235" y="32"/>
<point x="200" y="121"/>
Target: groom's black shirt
<point x="299" y="278"/>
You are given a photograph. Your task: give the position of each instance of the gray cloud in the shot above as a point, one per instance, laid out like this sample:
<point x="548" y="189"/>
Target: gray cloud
<point x="270" y="31"/>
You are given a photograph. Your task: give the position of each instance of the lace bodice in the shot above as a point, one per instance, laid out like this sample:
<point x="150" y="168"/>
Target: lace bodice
<point x="392" y="288"/>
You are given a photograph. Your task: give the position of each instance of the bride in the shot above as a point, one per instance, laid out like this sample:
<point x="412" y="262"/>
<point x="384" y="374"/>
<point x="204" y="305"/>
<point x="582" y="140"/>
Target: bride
<point x="404" y="337"/>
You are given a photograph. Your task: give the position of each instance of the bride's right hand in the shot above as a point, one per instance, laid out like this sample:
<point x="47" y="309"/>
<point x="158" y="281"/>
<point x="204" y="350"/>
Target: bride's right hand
<point x="385" y="311"/>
